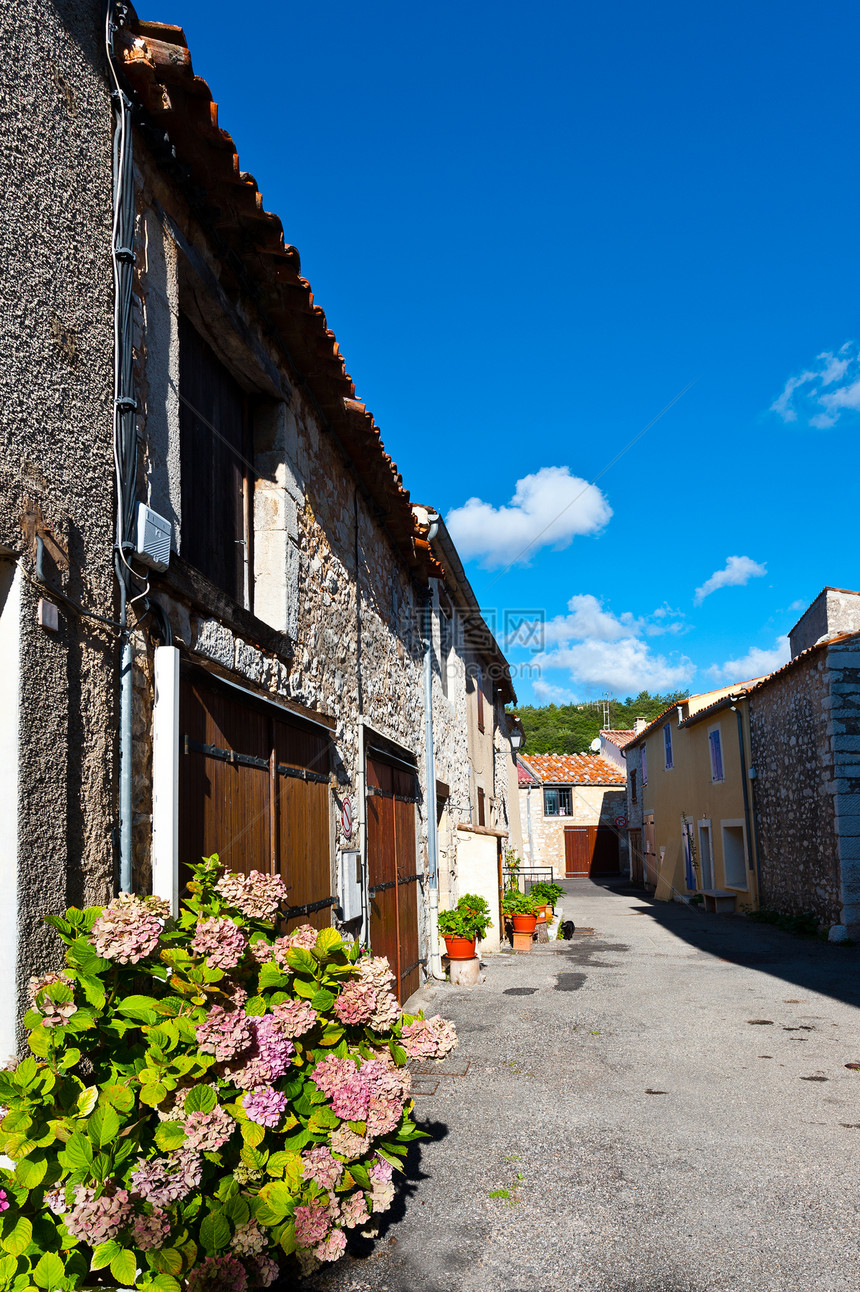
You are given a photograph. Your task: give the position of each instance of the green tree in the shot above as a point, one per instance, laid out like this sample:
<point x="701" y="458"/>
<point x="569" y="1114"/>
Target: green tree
<point x="570" y="728"/>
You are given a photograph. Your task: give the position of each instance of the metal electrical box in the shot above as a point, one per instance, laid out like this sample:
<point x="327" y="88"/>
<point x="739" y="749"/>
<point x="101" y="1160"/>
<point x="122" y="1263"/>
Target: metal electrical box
<point x="152" y="538"/>
<point x="351" y="885"/>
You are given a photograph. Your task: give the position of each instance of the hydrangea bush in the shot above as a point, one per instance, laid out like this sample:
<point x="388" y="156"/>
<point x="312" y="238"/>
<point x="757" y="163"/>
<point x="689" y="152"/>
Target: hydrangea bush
<point x="205" y="1098"/>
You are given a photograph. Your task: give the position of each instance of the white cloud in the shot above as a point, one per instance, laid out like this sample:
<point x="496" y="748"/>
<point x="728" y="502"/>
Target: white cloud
<point x="600" y="650"/>
<point x="552" y="694"/>
<point x="548" y="509"/>
<point x="798" y="605"/>
<point x="737" y="571"/>
<point x="822" y="394"/>
<point x="756" y="663"/>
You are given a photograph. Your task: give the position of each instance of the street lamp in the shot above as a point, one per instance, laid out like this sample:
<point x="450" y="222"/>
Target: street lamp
<point x="516" y="740"/>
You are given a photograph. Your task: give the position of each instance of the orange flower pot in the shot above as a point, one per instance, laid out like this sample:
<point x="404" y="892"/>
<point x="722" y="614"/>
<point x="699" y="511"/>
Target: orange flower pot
<point x="524" y="923"/>
<point x="457" y="948"/>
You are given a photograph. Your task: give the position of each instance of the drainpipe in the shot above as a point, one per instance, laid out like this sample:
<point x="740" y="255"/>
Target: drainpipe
<point x="748" y="817"/>
<point x="430" y="778"/>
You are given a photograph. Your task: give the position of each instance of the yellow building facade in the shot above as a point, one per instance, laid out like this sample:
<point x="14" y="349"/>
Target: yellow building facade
<point x="689" y="783"/>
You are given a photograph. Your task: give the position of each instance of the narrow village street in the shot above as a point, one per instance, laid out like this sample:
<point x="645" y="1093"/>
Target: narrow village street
<point x="661" y="1105"/>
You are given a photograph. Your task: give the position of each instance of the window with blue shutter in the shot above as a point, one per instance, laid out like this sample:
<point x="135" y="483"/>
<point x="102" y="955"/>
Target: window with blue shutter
<point x="644" y="766"/>
<point x="667" y="744"/>
<point x="716" y="755"/>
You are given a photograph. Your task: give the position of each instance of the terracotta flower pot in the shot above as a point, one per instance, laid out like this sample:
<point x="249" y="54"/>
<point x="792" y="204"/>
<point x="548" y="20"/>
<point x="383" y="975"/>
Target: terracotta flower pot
<point x="541" y="915"/>
<point x="524" y="923"/>
<point x="458" y="948"/>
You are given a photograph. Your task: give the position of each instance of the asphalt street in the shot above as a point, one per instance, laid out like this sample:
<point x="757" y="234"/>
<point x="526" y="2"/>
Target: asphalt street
<point x="661" y="1105"/>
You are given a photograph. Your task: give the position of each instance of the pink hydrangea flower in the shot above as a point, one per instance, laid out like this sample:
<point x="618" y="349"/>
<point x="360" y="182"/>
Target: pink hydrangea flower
<point x="381" y="1195"/>
<point x="381" y="1170"/>
<point x="249" y="1239"/>
<point x="354" y="1210"/>
<point x="295" y="1017"/>
<point x="256" y="895"/>
<point x="332" y="1072"/>
<point x="312" y="1224"/>
<point x="429" y="1038"/>
<point x="129" y="928"/>
<point x="218" y="1274"/>
<point x="55" y="1200"/>
<point x="220" y="941"/>
<point x="356" y="1002"/>
<point x="224" y="1033"/>
<point x="333" y="1247"/>
<point x="150" y="1232"/>
<point x="263" y="1270"/>
<point x="319" y="1165"/>
<point x="4" y="1200"/>
<point x="270" y="1057"/>
<point x="265" y="1106"/>
<point x="96" y="1220"/>
<point x="350" y="1100"/>
<point x="54" y="1013"/>
<point x="167" y="1179"/>
<point x="305" y="937"/>
<point x="207" y="1132"/>
<point x="348" y="1144"/>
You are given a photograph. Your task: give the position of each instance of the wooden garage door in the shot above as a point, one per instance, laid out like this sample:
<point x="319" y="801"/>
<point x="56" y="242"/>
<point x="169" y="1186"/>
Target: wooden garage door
<point x="392" y="870"/>
<point x="254" y="787"/>
<point x="590" y="850"/>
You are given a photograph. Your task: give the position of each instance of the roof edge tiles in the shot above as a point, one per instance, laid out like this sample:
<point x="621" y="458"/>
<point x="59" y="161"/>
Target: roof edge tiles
<point x="573" y="769"/>
<point x="178" y="117"/>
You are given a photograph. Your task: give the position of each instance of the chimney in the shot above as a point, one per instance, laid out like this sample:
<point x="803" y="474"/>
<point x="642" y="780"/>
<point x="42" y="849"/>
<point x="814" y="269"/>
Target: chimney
<point x="639" y="724"/>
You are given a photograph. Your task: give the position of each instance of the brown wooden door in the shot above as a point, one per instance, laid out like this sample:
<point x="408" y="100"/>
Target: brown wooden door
<point x="590" y="850"/>
<point x="254" y="787"/>
<point x="392" y="871"/>
<point x="577" y="851"/>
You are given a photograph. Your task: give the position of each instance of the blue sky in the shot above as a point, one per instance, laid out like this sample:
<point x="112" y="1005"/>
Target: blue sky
<point x="531" y="228"/>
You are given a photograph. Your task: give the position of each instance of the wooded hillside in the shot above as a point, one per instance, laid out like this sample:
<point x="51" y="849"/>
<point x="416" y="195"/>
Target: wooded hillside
<point x="570" y="728"/>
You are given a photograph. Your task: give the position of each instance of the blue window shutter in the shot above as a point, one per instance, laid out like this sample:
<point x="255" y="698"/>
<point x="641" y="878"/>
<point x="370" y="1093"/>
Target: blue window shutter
<point x="667" y="741"/>
<point x="644" y="766"/>
<point x="716" y="756"/>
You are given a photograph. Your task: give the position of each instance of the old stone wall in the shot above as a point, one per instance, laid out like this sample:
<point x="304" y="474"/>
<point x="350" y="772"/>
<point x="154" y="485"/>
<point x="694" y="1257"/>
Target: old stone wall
<point x="56" y="470"/>
<point x="843" y="728"/>
<point x="794" y="791"/>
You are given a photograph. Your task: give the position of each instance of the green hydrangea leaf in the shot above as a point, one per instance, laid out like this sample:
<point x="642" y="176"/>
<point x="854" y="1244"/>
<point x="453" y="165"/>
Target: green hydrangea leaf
<point x="78" y="1153"/>
<point x="87" y="1100"/>
<point x="271" y="976"/>
<point x="39" y="1041"/>
<point x="81" y="955"/>
<point x="94" y="991"/>
<point x="30" y="1171"/>
<point x="104" y="1253"/>
<point x="322" y="1119"/>
<point x="201" y="1099"/>
<point x="164" y="1283"/>
<point x="69" y="1058"/>
<point x="26" y="1073"/>
<point x="287" y="1240"/>
<point x="17" y="1119"/>
<point x="170" y="1135"/>
<point x="328" y="941"/>
<point x="214" y="1231"/>
<point x="167" y="1260"/>
<point x="252" y="1133"/>
<point x="121" y="1097"/>
<point x="255" y="1007"/>
<point x="359" y="1174"/>
<point x="143" y="1007"/>
<point x="17" y="1234"/>
<point x="322" y="1000"/>
<point x="124" y="1267"/>
<point x="50" y="1271"/>
<point x="153" y="1094"/>
<point x="103" y="1126"/>
<point x="303" y="988"/>
<point x="288" y="1165"/>
<point x="238" y="1210"/>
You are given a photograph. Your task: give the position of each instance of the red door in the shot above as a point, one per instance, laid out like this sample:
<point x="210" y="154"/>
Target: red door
<point x="577" y="851"/>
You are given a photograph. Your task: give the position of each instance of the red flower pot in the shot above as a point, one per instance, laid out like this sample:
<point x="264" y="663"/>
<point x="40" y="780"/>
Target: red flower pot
<point x="524" y="923"/>
<point x="459" y="948"/>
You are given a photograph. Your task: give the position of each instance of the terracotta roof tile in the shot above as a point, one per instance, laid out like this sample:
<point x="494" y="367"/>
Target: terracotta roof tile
<point x="574" y="769"/>
<point x="618" y="738"/>
<point x="524" y="776"/>
<point x="179" y="121"/>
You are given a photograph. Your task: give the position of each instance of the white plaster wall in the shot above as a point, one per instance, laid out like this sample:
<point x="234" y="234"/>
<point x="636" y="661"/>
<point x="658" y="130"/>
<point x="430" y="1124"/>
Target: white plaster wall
<point x="477" y="865"/>
<point x="10" y="681"/>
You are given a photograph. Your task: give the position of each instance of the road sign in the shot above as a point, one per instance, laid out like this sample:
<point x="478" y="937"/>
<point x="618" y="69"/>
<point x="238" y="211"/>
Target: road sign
<point x="621" y="822"/>
<point x="346" y="818"/>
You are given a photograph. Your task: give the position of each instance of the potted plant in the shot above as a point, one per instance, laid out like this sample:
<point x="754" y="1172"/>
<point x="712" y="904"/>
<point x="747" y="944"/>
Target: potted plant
<point x="469" y="920"/>
<point x="548" y="894"/>
<point x="521" y="907"/>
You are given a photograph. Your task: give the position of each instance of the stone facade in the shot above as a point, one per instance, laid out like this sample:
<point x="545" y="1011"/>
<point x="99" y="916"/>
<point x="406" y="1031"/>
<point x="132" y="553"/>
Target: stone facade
<point x="56" y="480"/>
<point x="834" y="610"/>
<point x="805" y="744"/>
<point x="593" y="805"/>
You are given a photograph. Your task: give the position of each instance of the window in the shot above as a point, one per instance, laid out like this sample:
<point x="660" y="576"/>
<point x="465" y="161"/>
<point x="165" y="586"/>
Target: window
<point x="633" y="787"/>
<point x="716" y="755"/>
<point x="644" y="765"/>
<point x="482" y="815"/>
<point x="479" y="688"/>
<point x="557" y="802"/>
<point x="734" y="854"/>
<point x="217" y="480"/>
<point x="667" y="746"/>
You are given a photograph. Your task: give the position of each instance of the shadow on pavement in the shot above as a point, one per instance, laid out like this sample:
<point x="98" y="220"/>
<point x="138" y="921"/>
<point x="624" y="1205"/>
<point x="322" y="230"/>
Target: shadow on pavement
<point x="808" y="963"/>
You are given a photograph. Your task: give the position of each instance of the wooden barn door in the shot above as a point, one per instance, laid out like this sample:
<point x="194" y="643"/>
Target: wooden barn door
<point x="636" y="871"/>
<point x="254" y="787"/>
<point x="392" y="870"/>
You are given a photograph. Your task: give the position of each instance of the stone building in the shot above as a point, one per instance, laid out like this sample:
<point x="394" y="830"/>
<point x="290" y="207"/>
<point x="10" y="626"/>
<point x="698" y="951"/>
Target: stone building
<point x="255" y="683"/>
<point x="573" y="808"/>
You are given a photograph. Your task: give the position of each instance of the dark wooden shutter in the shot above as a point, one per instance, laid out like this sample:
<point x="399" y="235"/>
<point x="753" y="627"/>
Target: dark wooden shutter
<point x="212" y="436"/>
<point x="481" y="808"/>
<point x="479" y="689"/>
<point x="393" y="879"/>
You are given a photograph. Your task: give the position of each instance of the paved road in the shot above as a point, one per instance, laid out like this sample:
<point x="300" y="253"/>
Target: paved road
<point x="666" y="1103"/>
